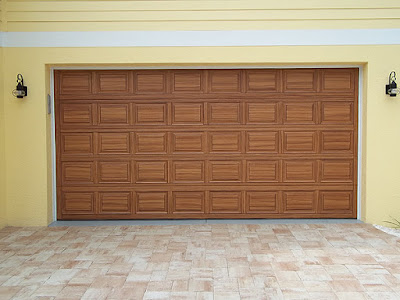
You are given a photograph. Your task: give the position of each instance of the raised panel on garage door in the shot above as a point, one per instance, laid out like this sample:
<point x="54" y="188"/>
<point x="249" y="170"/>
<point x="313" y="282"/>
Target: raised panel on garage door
<point x="187" y="113"/>
<point x="115" y="114"/>
<point x="78" y="172"/>
<point x="116" y="82"/>
<point x="224" y="113"/>
<point x="225" y="141"/>
<point x="336" y="201"/>
<point x="225" y="202"/>
<point x="75" y="82"/>
<point x="263" y="81"/>
<point x="188" y="142"/>
<point x="337" y="80"/>
<point x="262" y="202"/>
<point x="150" y="82"/>
<point x="199" y="143"/>
<point x="188" y="202"/>
<point x="262" y="171"/>
<point x="262" y="113"/>
<point x="188" y="171"/>
<point x="115" y="202"/>
<point x="188" y="81"/>
<point x="151" y="202"/>
<point x="151" y="171"/>
<point x="300" y="80"/>
<point x="262" y="141"/>
<point x="225" y="171"/>
<point x="150" y="142"/>
<point x="224" y="81"/>
<point x="151" y="114"/>
<point x="76" y="114"/>
<point x="336" y="113"/>
<point x="114" y="172"/>
<point x="75" y="203"/>
<point x="114" y="142"/>
<point x="77" y="143"/>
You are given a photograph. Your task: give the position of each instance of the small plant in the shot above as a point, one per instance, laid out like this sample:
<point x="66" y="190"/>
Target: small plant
<point x="395" y="223"/>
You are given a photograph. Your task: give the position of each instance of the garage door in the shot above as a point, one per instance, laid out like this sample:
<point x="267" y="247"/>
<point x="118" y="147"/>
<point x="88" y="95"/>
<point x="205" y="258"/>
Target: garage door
<point x="151" y="144"/>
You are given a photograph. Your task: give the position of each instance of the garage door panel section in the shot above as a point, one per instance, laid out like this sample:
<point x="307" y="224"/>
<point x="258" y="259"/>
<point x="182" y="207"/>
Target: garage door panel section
<point x="300" y="80"/>
<point x="186" y="202"/>
<point x="225" y="171"/>
<point x="300" y="113"/>
<point x="151" y="202"/>
<point x="266" y="141"/>
<point x="76" y="203"/>
<point x="151" y="171"/>
<point x="224" y="113"/>
<point x="78" y="173"/>
<point x="188" y="81"/>
<point x="222" y="142"/>
<point x="151" y="114"/>
<point x="225" y="81"/>
<point x="300" y="202"/>
<point x="300" y="142"/>
<point x="114" y="172"/>
<point x="187" y="113"/>
<point x="188" y="142"/>
<point x="263" y="171"/>
<point x="150" y="82"/>
<point x="337" y="171"/>
<point x="113" y="114"/>
<point x="151" y="142"/>
<point x="262" y="202"/>
<point x="337" y="113"/>
<point x="263" y="81"/>
<point x="225" y="202"/>
<point x="337" y="81"/>
<point x="75" y="82"/>
<point x="300" y="171"/>
<point x="337" y="142"/>
<point x="336" y="201"/>
<point x="76" y="114"/>
<point x="262" y="113"/>
<point x="219" y="143"/>
<point x="188" y="171"/>
<point x="114" y="143"/>
<point x="77" y="144"/>
<point x="113" y="82"/>
<point x="115" y="203"/>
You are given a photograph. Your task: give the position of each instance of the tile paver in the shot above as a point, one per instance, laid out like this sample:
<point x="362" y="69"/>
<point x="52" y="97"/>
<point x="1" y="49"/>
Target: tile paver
<point x="204" y="261"/>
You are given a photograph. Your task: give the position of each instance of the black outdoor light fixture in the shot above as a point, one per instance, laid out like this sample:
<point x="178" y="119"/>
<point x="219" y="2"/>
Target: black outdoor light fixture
<point x="391" y="89"/>
<point x="20" y="91"/>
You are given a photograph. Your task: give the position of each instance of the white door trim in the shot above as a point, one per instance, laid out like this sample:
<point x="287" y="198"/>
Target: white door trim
<point x="359" y="129"/>
<point x="202" y="38"/>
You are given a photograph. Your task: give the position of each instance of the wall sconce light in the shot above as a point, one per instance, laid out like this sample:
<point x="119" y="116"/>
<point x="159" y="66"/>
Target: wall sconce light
<point x="391" y="88"/>
<point x="20" y="91"/>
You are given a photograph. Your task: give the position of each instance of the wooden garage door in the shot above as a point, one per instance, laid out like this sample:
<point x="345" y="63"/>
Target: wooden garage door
<point x="147" y="144"/>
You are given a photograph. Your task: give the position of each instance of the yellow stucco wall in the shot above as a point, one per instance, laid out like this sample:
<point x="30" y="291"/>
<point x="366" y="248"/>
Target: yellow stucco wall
<point x="3" y="221"/>
<point x="94" y="15"/>
<point x="25" y="137"/>
<point x="28" y="151"/>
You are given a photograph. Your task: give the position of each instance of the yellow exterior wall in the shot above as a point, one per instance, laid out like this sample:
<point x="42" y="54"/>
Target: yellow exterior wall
<point x="3" y="215"/>
<point x="27" y="144"/>
<point x="25" y="137"/>
<point x="3" y="221"/>
<point x="77" y="15"/>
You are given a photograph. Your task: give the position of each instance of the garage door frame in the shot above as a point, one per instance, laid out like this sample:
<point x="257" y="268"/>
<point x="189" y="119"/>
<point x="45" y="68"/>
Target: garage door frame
<point x="51" y="106"/>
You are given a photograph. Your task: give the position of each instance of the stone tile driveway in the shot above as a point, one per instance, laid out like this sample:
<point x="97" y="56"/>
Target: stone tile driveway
<point x="235" y="261"/>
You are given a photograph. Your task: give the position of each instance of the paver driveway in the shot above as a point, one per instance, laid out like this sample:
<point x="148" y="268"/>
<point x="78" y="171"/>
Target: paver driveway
<point x="315" y="261"/>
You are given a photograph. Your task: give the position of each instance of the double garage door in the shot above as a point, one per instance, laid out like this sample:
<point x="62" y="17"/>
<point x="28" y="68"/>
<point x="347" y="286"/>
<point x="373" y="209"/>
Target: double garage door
<point x="168" y="144"/>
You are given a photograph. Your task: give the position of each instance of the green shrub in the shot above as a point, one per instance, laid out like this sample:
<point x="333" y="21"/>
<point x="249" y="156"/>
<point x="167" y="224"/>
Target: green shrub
<point x="395" y="223"/>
